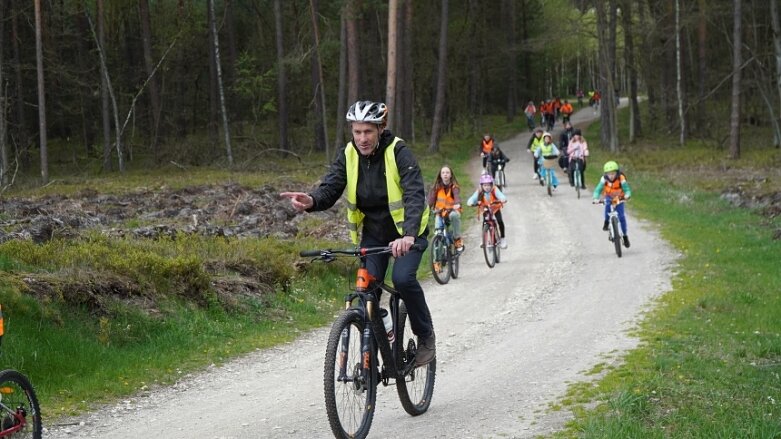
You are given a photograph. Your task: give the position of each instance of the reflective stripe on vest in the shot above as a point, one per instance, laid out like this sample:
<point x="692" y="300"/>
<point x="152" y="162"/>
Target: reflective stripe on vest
<point x="393" y="184"/>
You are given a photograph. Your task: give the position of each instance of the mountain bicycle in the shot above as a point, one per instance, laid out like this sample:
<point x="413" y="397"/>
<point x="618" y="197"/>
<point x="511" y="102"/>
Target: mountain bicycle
<point x="490" y="235"/>
<point x="20" y="413"/>
<point x="546" y="173"/>
<point x="352" y="364"/>
<point x="444" y="256"/>
<point x="614" y="233"/>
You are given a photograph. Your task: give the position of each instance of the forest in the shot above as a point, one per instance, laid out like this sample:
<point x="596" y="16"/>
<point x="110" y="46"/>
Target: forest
<point x="104" y="86"/>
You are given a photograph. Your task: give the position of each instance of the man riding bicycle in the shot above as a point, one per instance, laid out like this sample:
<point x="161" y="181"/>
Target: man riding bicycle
<point x="386" y="199"/>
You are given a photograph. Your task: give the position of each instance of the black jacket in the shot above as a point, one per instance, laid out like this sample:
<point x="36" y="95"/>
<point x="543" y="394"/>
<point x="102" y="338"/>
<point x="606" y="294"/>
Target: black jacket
<point x="372" y="193"/>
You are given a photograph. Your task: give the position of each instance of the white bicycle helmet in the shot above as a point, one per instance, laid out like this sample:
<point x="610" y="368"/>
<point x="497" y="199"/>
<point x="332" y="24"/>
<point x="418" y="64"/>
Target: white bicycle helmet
<point x="368" y="111"/>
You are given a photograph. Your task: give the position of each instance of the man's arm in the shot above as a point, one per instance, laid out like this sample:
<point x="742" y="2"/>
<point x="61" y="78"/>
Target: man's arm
<point x="331" y="186"/>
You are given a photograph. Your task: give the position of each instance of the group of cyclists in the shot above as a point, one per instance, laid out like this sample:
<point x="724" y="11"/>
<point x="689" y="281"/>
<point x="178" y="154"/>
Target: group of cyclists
<point x="387" y="202"/>
<point x="549" y="111"/>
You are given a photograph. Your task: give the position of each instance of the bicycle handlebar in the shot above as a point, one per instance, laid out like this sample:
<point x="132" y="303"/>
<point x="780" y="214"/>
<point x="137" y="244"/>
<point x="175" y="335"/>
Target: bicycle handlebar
<point x="355" y="252"/>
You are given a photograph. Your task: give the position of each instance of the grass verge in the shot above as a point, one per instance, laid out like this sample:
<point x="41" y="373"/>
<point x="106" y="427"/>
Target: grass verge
<point x="709" y="362"/>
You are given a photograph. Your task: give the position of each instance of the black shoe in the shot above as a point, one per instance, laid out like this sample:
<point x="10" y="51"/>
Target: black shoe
<point x="427" y="351"/>
<point x="626" y="241"/>
<point x="583" y="187"/>
<point x="604" y="226"/>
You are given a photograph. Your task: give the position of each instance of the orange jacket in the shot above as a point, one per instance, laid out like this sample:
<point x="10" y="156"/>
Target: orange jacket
<point x="567" y="108"/>
<point x="486" y="146"/>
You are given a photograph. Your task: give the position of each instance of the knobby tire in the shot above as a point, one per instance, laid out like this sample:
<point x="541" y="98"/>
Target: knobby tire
<point x="453" y="260"/>
<point x="349" y="404"/>
<point x="440" y="256"/>
<point x="488" y="246"/>
<point x="497" y="247"/>
<point x="616" y="235"/>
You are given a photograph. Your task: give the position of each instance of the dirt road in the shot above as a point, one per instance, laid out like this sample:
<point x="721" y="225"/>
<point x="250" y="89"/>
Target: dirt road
<point x="510" y="339"/>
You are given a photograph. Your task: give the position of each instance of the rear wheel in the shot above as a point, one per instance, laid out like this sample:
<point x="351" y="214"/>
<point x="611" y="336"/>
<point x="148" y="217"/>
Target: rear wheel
<point x="19" y="406"/>
<point x="350" y="390"/>
<point x="416" y="388"/>
<point x="488" y="246"/>
<point x="439" y="259"/>
<point x="616" y="235"/>
<point x="500" y="178"/>
<point x="497" y="247"/>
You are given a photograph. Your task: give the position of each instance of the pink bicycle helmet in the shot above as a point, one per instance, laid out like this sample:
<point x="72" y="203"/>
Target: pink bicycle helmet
<point x="486" y="178"/>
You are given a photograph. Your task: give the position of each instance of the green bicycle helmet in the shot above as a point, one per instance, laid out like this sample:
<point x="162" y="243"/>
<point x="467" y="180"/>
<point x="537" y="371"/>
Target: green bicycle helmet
<point x="610" y="166"/>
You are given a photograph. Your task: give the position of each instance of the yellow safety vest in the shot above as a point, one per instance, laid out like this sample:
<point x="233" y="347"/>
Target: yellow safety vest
<point x="392" y="182"/>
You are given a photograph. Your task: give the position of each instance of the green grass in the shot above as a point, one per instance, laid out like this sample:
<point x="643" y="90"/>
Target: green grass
<point x="709" y="364"/>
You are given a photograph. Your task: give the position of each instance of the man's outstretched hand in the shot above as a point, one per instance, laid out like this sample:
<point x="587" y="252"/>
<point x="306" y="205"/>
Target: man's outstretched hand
<point x="299" y="200"/>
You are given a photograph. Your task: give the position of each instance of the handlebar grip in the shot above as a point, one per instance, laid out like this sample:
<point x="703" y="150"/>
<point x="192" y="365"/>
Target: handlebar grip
<point x="310" y="253"/>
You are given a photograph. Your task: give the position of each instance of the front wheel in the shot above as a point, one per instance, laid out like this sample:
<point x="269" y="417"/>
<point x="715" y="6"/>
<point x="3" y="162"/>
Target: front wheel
<point x="578" y="181"/>
<point x="616" y="235"/>
<point x="488" y="246"/>
<point x="416" y="388"/>
<point x="497" y="247"/>
<point x="21" y="414"/>
<point x="548" y="182"/>
<point x="350" y="389"/>
<point x="440" y="267"/>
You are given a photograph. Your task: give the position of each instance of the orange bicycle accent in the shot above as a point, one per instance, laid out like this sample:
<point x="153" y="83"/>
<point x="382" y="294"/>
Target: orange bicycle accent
<point x="363" y="279"/>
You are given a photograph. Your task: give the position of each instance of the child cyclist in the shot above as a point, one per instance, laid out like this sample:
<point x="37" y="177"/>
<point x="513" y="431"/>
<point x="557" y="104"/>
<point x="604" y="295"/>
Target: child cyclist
<point x="486" y="195"/>
<point x="445" y="195"/>
<point x="547" y="151"/>
<point x="535" y="141"/>
<point x="612" y="185"/>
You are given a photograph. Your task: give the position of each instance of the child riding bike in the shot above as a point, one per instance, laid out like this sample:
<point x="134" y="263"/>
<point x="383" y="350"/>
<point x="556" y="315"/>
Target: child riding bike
<point x="547" y="151"/>
<point x="577" y="151"/>
<point x="613" y="184"/>
<point x="535" y="141"/>
<point x="445" y="195"/>
<point x="489" y="195"/>
<point x="497" y="158"/>
<point x="487" y="144"/>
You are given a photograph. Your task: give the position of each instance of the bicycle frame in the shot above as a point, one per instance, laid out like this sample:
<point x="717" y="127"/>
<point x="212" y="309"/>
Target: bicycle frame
<point x="367" y="293"/>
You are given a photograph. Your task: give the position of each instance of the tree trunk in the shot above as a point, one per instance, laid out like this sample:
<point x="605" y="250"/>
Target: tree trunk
<point x="737" y="60"/>
<point x="149" y="64"/>
<point x="281" y="78"/>
<point x="220" y="89"/>
<point x="321" y="135"/>
<point x="212" y="127"/>
<point x="390" y="84"/>
<point x="22" y="134"/>
<point x="776" y="51"/>
<point x="341" y="98"/>
<point x="609" y="131"/>
<point x="104" y="94"/>
<point x="41" y="95"/>
<point x="678" y="73"/>
<point x="512" y="71"/>
<point x="629" y="51"/>
<point x="439" y="106"/>
<point x="3" y="125"/>
<point x="406" y="111"/>
<point x="353" y="55"/>
<point x="702" y="41"/>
